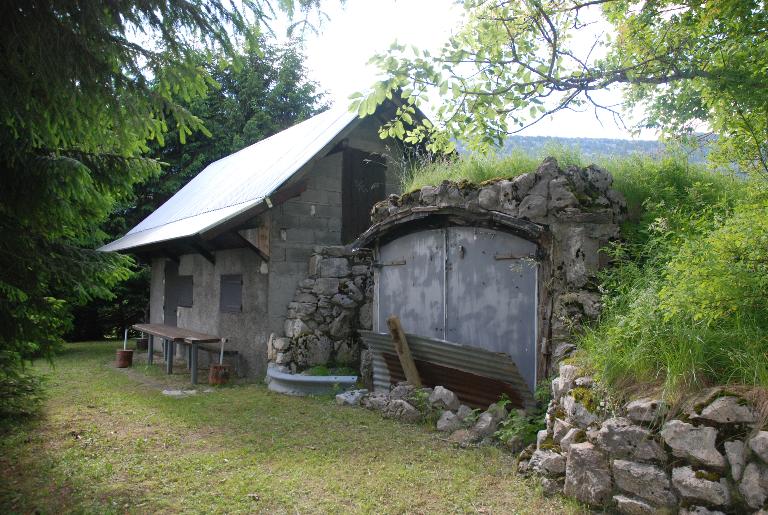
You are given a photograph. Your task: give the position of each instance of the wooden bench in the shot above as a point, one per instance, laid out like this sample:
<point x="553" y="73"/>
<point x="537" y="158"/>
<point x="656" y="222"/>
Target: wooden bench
<point x="172" y="335"/>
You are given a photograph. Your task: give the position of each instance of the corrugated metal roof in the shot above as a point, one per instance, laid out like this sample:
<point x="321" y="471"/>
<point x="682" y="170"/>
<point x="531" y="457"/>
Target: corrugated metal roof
<point x="237" y="182"/>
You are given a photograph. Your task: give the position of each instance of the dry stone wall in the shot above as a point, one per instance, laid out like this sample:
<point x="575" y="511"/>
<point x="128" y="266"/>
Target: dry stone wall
<point x="579" y="212"/>
<point x="328" y="308"/>
<point x="711" y="458"/>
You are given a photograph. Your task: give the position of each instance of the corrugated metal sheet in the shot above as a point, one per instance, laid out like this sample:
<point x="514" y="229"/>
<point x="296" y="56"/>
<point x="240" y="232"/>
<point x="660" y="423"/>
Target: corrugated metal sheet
<point x="477" y="376"/>
<point x="237" y="182"/>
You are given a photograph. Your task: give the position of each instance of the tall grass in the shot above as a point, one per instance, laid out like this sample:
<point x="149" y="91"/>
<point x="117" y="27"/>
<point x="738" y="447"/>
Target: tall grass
<point x="685" y="302"/>
<point x="480" y="168"/>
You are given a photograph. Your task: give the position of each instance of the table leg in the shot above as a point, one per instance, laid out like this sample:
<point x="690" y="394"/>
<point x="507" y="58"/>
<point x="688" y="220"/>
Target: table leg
<point x="150" y="349"/>
<point x="169" y="357"/>
<point x="193" y="362"/>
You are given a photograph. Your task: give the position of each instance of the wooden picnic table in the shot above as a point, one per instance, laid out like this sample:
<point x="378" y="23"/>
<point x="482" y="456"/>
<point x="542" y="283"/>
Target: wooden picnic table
<point x="172" y="335"/>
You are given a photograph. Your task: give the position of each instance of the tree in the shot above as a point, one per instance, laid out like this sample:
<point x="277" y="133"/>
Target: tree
<point x="692" y="64"/>
<point x="86" y="86"/>
<point x="267" y="92"/>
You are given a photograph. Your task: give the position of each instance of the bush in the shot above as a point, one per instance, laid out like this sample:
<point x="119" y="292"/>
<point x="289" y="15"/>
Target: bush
<point x="21" y="392"/>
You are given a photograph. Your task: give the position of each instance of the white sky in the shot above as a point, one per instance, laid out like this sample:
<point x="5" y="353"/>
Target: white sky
<point x="337" y="56"/>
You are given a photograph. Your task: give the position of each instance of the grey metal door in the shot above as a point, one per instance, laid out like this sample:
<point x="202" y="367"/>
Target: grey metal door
<point x="409" y="282"/>
<point x="492" y="293"/>
<point x="467" y="285"/>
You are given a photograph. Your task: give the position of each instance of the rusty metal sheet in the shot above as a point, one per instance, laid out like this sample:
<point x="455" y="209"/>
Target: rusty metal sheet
<point x="479" y="377"/>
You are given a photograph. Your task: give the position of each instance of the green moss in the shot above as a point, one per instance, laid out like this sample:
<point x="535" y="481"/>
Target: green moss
<point x="585" y="397"/>
<point x="549" y="445"/>
<point x="706" y="474"/>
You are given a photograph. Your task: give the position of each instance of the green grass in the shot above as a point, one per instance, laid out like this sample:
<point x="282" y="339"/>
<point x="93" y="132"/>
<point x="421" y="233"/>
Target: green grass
<point x="479" y="168"/>
<point x="109" y="441"/>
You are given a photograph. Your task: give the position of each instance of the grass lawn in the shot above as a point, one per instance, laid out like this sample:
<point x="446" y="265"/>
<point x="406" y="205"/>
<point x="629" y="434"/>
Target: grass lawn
<point x="109" y="441"/>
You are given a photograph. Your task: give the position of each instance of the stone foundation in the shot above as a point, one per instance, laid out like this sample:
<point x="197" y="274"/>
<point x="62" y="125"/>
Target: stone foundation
<point x="712" y="457"/>
<point x="328" y="308"/>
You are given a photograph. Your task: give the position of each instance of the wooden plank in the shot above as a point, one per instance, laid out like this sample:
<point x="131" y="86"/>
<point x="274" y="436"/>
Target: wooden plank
<point x="176" y="334"/>
<point x="403" y="351"/>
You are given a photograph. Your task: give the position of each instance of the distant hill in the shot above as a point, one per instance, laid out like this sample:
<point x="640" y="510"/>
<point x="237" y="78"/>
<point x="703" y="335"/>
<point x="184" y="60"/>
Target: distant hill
<point x="593" y="149"/>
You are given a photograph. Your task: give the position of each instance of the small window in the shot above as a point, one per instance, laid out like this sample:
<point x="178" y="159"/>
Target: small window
<point x="185" y="287"/>
<point x="231" y="293"/>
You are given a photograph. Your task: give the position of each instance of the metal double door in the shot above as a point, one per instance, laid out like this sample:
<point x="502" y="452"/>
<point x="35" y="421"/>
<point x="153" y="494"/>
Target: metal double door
<point x="468" y="285"/>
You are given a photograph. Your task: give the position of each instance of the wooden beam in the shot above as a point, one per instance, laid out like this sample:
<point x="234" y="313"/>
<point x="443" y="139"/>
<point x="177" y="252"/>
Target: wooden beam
<point x="209" y="256"/>
<point x="403" y="351"/>
<point x="251" y="246"/>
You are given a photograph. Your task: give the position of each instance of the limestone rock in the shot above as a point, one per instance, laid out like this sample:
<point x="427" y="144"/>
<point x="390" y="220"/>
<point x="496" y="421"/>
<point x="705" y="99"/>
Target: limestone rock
<point x="646" y="411"/>
<point x="488" y="197"/>
<point x="578" y="415"/>
<point x="281" y="344"/>
<point x="694" y="443"/>
<point x="728" y="410"/>
<point x="586" y="381"/>
<point x="343" y="301"/>
<point x="444" y="398"/>
<point x="560" y="429"/>
<point x="560" y="194"/>
<point x="463" y="412"/>
<point x="428" y="195"/>
<point x="319" y="351"/>
<point x="587" y="476"/>
<point x="547" y="463"/>
<point x="541" y="437"/>
<point x="621" y="438"/>
<point x="486" y="424"/>
<point x="632" y="506"/>
<point x="648" y="482"/>
<point x="754" y="485"/>
<point x="295" y="327"/>
<point x="564" y="381"/>
<point x="699" y="510"/>
<point x="574" y="435"/>
<point x="333" y="267"/>
<point x="402" y="410"/>
<point x="448" y="422"/>
<point x="735" y="452"/>
<point x="402" y="391"/>
<point x="366" y="316"/>
<point x="533" y="207"/>
<point x="759" y="445"/>
<point x="692" y="487"/>
<point x="341" y="326"/>
<point x="351" y="398"/>
<point x="376" y="401"/>
<point x="327" y="286"/>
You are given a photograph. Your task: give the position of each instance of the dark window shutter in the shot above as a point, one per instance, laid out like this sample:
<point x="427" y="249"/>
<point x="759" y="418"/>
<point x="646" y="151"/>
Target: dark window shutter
<point x="231" y="300"/>
<point x="185" y="287"/>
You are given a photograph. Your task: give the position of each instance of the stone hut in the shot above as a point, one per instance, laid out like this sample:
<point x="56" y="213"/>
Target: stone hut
<point x="489" y="281"/>
<point x="230" y="248"/>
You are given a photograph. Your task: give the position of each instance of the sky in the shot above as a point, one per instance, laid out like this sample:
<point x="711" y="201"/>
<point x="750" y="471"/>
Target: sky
<point x="337" y="55"/>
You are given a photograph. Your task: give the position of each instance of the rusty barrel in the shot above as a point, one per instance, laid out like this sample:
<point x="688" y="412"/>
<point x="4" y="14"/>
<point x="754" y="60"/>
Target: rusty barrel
<point x="218" y="374"/>
<point x="124" y="358"/>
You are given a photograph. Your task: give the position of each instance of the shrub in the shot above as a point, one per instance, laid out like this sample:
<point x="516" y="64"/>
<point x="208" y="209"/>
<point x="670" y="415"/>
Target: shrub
<point x="21" y="392"/>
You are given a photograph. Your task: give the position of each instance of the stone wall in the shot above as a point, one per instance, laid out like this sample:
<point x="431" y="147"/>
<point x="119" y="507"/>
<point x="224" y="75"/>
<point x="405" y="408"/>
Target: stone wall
<point x="580" y="214"/>
<point x="328" y="307"/>
<point x="710" y="457"/>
